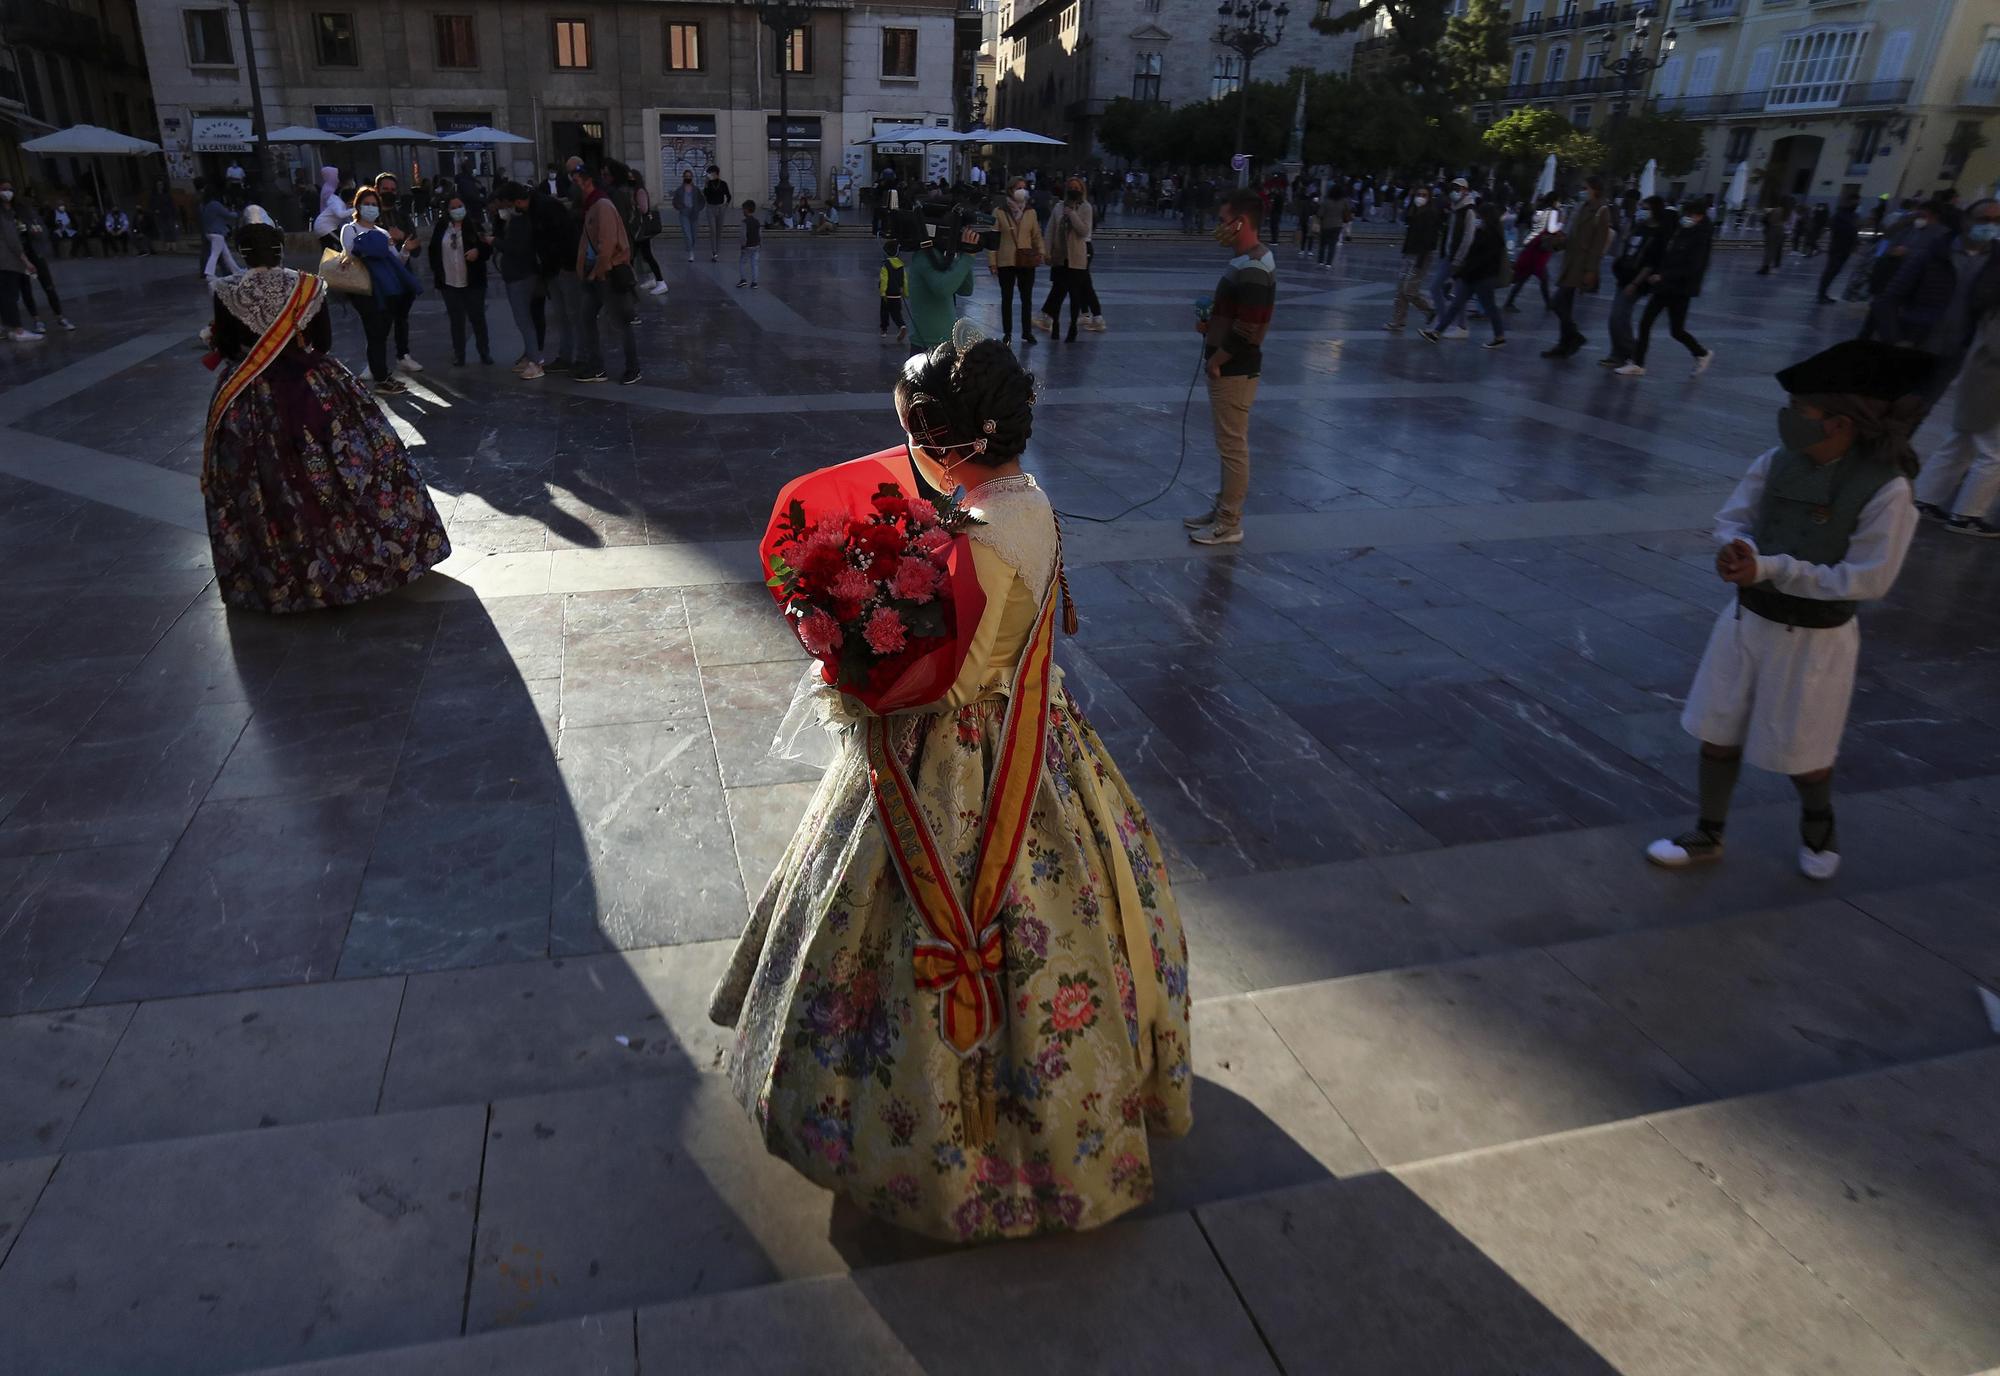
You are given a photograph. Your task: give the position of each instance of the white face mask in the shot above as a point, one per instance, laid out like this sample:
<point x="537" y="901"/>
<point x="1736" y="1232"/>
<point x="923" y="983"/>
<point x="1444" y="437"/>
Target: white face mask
<point x="1689" y="222"/>
<point x="371" y="213"/>
<point x="1021" y="196"/>
<point x="7" y="195"/>
<point x="1423" y="200"/>
<point x="458" y="212"/>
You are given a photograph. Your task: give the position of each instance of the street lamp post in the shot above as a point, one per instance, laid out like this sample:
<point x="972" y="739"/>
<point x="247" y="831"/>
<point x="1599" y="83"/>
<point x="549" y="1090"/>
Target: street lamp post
<point x="256" y="93"/>
<point x="1635" y="63"/>
<point x="1249" y="27"/>
<point x="781" y="17"/>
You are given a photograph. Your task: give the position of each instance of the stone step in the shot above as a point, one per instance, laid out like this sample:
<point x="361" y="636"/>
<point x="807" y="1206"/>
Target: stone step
<point x="202" y="1064"/>
<point x="1846" y="1226"/>
<point x="545" y="1203"/>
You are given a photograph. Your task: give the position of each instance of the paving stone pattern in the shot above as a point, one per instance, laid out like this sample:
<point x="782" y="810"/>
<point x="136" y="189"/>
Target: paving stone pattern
<point x="353" y="966"/>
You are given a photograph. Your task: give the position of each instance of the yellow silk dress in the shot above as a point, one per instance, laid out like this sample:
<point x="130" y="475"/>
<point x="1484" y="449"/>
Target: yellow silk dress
<point x="838" y="1055"/>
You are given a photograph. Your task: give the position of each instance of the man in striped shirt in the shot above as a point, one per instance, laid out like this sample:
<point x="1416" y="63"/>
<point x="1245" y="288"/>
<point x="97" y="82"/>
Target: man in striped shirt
<point x="1234" y="348"/>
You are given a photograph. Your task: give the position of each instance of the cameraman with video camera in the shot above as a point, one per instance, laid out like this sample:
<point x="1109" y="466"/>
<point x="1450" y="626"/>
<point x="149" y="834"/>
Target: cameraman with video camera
<point x="941" y="269"/>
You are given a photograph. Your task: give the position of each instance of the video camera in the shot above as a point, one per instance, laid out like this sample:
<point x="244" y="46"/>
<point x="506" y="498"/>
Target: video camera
<point x="960" y="227"/>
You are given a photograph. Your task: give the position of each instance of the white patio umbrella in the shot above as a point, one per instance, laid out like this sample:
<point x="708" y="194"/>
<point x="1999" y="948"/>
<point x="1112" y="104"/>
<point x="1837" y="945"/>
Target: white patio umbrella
<point x="1546" y="183"/>
<point x="1014" y="136"/>
<point x="393" y="133"/>
<point x="913" y="133"/>
<point x="1648" y="177"/>
<point x="301" y="133"/>
<point x="482" y="133"/>
<point x="89" y="141"/>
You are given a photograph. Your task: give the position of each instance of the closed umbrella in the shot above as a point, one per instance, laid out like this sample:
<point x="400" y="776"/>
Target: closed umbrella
<point x="1546" y="183"/>
<point x="1647" y="178"/>
<point x="1739" y="187"/>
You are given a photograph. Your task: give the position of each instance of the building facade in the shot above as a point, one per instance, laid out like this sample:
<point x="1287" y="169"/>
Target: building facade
<point x="1059" y="63"/>
<point x="662" y="85"/>
<point x="1820" y="97"/>
<point x="65" y="62"/>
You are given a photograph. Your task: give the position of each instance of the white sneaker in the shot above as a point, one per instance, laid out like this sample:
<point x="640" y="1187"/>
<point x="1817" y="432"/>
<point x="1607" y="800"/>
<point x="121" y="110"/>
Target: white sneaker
<point x="1689" y="848"/>
<point x="659" y="288"/>
<point x="409" y="365"/>
<point x="1458" y="332"/>
<point x="531" y="372"/>
<point x="520" y="365"/>
<point x="1630" y="370"/>
<point x="1045" y="325"/>
<point x="1217" y="535"/>
<point x="62" y="323"/>
<point x="25" y="336"/>
<point x="1701" y="364"/>
<point x="1818" y="864"/>
<point x="1207" y="518"/>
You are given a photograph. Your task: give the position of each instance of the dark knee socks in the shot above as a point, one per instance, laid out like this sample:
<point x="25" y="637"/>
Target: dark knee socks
<point x="1715" y="782"/>
<point x="1815" y="811"/>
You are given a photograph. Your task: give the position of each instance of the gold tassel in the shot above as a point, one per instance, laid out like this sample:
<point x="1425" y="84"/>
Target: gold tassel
<point x="978" y="1100"/>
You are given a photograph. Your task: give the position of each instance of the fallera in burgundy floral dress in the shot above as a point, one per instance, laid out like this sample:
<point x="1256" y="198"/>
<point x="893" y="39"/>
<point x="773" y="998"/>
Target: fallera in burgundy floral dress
<point x="312" y="500"/>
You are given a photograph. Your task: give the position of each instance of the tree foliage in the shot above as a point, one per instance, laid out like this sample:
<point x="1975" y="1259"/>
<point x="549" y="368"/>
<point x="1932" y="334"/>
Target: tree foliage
<point x="1672" y="141"/>
<point x="1475" y="51"/>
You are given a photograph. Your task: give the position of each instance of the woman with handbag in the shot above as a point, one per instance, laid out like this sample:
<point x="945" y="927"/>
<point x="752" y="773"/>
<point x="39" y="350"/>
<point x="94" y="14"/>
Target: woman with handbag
<point x="643" y="226"/>
<point x="1015" y="259"/>
<point x="459" y="249"/>
<point x="312" y="500"/>
<point x="604" y="267"/>
<point x="1069" y="259"/>
<point x="1543" y="242"/>
<point x="393" y="288"/>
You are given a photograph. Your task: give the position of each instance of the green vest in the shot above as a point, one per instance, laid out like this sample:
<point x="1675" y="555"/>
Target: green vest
<point x="1810" y="511"/>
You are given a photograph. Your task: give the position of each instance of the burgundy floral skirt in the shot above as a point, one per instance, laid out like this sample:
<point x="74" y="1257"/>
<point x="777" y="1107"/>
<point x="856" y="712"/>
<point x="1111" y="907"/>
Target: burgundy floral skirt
<point x="312" y="499"/>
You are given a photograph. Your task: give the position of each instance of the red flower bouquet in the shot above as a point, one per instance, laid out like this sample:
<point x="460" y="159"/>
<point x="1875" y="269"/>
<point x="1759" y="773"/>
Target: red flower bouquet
<point x="878" y="582"/>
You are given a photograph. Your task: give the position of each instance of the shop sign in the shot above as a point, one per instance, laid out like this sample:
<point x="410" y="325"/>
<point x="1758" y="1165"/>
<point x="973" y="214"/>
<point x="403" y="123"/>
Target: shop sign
<point x="345" y="119"/>
<point x="222" y="133"/>
<point x="687" y="126"/>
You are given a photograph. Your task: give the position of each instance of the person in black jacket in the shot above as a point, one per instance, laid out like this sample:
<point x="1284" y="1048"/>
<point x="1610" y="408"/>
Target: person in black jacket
<point x="521" y="270"/>
<point x="1634" y="267"/>
<point x="1478" y="271"/>
<point x="1675" y="283"/>
<point x="1424" y="222"/>
<point x="1843" y="233"/>
<point x="558" y="229"/>
<point x="458" y="251"/>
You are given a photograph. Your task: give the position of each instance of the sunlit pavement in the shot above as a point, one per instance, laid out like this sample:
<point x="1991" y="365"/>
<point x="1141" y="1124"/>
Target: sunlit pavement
<point x="354" y="966"/>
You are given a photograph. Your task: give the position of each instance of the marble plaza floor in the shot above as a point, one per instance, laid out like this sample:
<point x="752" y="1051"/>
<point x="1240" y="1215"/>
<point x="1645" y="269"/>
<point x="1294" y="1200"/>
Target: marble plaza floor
<point x="353" y="966"/>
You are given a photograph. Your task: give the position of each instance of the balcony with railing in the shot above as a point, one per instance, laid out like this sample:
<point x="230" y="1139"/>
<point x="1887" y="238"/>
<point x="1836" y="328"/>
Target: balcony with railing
<point x="1558" y="23"/>
<point x="1600" y="17"/>
<point x="1860" y="96"/>
<point x="1976" y="91"/>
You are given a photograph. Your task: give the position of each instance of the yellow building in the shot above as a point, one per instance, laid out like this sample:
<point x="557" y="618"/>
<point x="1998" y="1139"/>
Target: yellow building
<point x="1820" y="97"/>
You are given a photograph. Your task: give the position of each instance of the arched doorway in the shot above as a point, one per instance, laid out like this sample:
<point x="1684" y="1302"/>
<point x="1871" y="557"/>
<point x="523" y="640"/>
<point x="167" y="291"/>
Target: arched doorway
<point x="1793" y="161"/>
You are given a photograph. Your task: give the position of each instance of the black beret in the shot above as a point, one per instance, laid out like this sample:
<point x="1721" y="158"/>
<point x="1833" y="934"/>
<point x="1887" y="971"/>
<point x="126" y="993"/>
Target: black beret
<point x="1860" y="368"/>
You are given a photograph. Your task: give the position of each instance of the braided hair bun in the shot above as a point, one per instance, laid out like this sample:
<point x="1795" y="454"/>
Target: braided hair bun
<point x="993" y="397"/>
<point x="951" y="397"/>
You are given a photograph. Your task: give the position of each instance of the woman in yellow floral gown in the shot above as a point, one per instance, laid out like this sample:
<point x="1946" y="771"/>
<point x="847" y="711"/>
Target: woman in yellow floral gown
<point x="839" y="1055"/>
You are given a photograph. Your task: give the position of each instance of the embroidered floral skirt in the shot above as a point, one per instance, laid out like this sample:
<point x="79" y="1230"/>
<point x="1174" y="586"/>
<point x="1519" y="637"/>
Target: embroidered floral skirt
<point x="312" y="500"/>
<point x="838" y="1056"/>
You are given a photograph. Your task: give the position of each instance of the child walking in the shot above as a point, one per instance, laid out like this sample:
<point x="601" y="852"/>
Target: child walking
<point x="890" y="283"/>
<point x="753" y="244"/>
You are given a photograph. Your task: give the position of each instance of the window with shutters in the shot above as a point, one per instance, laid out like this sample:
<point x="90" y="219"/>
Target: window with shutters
<point x="899" y="53"/>
<point x="1558" y="58"/>
<point x="1740" y="140"/>
<point x="1701" y="81"/>
<point x="1762" y="63"/>
<point x="571" y="44"/>
<point x="1667" y="86"/>
<point x="795" y="54"/>
<point x="1228" y="77"/>
<point x="1524" y="64"/>
<point x="1895" y="56"/>
<point x="455" y="40"/>
<point x="1814" y="68"/>
<point x="1867" y="141"/>
<point x="684" y="47"/>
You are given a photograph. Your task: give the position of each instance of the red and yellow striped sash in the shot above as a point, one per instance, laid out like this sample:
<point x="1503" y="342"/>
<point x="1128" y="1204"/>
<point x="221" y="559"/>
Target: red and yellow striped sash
<point x="267" y="348"/>
<point x="958" y="951"/>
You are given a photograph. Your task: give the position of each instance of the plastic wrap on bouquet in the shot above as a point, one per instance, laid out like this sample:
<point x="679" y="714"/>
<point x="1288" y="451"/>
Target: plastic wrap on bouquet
<point x="877" y="583"/>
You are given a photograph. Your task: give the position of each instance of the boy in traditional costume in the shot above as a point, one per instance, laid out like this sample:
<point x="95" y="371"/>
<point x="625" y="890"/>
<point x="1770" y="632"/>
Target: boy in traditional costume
<point x="1818" y="525"/>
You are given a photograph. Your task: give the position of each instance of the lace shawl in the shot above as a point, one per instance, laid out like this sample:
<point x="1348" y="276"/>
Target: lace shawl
<point x="1020" y="527"/>
<point x="258" y="296"/>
